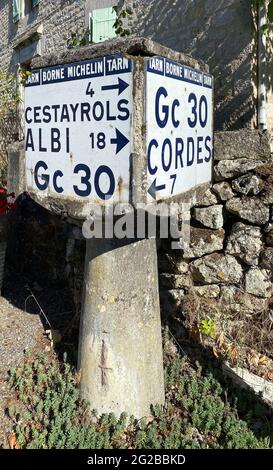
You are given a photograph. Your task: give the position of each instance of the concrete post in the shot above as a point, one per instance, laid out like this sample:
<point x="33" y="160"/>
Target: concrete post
<point x="120" y="346"/>
<point x="138" y="158"/>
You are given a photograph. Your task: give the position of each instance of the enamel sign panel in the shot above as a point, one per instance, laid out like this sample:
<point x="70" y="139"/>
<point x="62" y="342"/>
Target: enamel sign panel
<point x="78" y="130"/>
<point x="179" y="122"/>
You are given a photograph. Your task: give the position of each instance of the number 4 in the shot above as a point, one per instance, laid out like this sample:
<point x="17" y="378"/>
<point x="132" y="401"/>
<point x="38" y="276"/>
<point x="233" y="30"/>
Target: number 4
<point x="89" y="90"/>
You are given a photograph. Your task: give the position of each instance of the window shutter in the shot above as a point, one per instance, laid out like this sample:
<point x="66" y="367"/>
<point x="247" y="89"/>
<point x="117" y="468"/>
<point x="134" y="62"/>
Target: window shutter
<point x="102" y="24"/>
<point x="16" y="10"/>
<point x="34" y="3"/>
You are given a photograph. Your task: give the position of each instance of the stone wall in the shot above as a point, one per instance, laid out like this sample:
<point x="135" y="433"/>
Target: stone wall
<point x="45" y="29"/>
<point x="269" y="86"/>
<point x="57" y="18"/>
<point x="228" y="264"/>
<point x="222" y="34"/>
<point x="229" y="261"/>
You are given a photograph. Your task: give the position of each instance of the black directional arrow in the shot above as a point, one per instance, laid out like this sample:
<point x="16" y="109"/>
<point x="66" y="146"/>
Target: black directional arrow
<point x="120" y="86"/>
<point x="120" y="141"/>
<point x="153" y="189"/>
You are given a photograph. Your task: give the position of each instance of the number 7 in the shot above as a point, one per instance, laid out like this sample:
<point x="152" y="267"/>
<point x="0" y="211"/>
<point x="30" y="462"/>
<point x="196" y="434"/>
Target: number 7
<point x="173" y="177"/>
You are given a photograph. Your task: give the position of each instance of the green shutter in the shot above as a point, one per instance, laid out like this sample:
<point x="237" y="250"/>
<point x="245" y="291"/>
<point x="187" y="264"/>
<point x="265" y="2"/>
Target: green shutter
<point x="102" y="25"/>
<point x="16" y="10"/>
<point x="34" y="3"/>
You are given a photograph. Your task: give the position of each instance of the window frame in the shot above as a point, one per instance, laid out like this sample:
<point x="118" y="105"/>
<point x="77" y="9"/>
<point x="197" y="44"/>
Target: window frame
<point x="21" y="7"/>
<point x="92" y="20"/>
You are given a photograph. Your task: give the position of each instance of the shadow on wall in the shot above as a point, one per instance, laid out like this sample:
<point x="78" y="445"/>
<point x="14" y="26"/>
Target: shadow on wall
<point x="222" y="34"/>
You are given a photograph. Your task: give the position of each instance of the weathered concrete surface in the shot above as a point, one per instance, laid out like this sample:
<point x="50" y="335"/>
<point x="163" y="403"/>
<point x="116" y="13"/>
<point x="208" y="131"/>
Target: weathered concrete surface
<point x="16" y="169"/>
<point x="120" y="350"/>
<point x="246" y="379"/>
<point x="134" y="46"/>
<point x="17" y="183"/>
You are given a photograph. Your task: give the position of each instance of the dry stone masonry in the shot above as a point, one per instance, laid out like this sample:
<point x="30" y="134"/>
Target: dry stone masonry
<point x="230" y="255"/>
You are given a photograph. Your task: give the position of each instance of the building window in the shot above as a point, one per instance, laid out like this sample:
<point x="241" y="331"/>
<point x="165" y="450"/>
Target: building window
<point x="16" y="10"/>
<point x="22" y="8"/>
<point x="29" y="5"/>
<point x="102" y="24"/>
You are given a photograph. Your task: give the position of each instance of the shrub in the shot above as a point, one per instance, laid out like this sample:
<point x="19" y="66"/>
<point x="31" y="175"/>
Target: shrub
<point x="48" y="413"/>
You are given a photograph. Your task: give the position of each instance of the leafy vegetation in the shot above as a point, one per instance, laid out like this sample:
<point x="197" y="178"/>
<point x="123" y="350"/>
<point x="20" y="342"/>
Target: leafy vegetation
<point x="207" y="327"/>
<point x="269" y="5"/>
<point x="9" y="117"/>
<point x="269" y="13"/>
<point x="83" y="37"/>
<point x="122" y="15"/>
<point x="47" y="412"/>
<point x="78" y="39"/>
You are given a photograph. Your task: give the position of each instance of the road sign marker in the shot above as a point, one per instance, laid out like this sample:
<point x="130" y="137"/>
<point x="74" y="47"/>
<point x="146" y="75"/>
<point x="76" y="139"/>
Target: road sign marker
<point x="120" y="86"/>
<point x="120" y="141"/>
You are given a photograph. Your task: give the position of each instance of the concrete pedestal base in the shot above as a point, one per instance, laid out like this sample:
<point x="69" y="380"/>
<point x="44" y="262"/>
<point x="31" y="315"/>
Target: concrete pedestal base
<point x="120" y="346"/>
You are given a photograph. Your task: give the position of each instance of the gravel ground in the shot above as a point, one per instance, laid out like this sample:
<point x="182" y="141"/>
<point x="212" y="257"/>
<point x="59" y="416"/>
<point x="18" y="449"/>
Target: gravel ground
<point x="19" y="331"/>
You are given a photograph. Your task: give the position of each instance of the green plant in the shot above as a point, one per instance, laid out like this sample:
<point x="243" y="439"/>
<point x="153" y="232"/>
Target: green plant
<point x="79" y="39"/>
<point x="207" y="327"/>
<point x="269" y="12"/>
<point x="9" y="116"/>
<point x="24" y="74"/>
<point x="123" y="15"/>
<point x="47" y="413"/>
<point x="82" y="37"/>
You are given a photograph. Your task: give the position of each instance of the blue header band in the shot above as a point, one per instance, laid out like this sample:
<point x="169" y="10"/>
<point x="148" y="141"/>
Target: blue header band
<point x="171" y="69"/>
<point x="108" y="65"/>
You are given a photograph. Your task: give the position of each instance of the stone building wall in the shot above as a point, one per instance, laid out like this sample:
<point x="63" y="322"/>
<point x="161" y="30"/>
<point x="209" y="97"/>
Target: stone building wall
<point x="44" y="30"/>
<point x="222" y="34"/>
<point x="269" y="86"/>
<point x="57" y="18"/>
